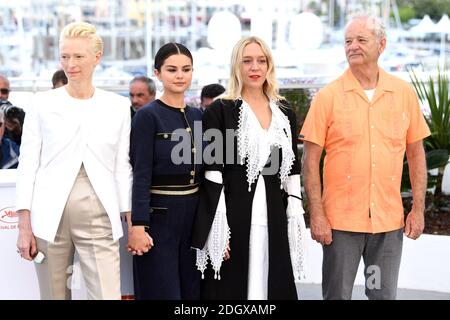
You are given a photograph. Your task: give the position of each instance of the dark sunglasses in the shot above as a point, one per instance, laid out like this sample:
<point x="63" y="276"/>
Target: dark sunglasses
<point x="4" y="91"/>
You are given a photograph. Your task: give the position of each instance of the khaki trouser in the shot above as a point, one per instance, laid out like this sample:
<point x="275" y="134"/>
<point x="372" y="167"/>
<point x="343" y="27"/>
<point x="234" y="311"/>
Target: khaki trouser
<point x="85" y="227"/>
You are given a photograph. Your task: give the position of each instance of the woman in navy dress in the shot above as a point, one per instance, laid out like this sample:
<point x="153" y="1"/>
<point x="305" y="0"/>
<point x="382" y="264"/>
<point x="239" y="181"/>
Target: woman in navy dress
<point x="165" y="184"/>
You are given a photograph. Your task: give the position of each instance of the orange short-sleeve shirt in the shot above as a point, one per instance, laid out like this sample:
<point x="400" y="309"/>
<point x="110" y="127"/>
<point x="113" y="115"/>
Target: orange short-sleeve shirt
<point x="365" y="143"/>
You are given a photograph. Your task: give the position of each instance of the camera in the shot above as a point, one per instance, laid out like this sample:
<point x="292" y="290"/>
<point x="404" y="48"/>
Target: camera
<point x="14" y="117"/>
<point x="4" y="103"/>
<point x="12" y="112"/>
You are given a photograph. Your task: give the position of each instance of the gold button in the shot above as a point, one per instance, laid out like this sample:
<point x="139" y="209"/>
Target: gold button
<point x="188" y="129"/>
<point x="191" y="181"/>
<point x="193" y="150"/>
<point x="166" y="136"/>
<point x="182" y="109"/>
<point x="192" y="173"/>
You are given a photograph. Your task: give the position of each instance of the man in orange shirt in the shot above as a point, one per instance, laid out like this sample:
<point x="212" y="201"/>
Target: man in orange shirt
<point x="365" y="120"/>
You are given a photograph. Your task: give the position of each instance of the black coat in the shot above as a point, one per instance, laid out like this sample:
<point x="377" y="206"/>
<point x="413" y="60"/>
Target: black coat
<point x="222" y="115"/>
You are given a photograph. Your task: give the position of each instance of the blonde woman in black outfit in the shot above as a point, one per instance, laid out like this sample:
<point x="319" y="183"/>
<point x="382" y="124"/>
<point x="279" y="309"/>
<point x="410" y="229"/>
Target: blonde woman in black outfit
<point x="250" y="219"/>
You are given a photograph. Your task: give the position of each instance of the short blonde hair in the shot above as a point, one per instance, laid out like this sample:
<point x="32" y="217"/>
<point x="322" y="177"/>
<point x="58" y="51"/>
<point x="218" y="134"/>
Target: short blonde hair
<point x="82" y="30"/>
<point x="235" y="84"/>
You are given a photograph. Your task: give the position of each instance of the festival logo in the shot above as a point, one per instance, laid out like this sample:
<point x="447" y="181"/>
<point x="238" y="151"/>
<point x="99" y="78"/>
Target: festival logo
<point x="8" y="216"/>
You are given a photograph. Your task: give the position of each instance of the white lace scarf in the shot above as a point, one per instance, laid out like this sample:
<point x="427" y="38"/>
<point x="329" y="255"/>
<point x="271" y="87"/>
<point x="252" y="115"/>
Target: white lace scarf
<point x="248" y="140"/>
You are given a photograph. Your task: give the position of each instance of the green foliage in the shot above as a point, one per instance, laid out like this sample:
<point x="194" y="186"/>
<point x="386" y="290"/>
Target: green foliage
<point x="435" y="94"/>
<point x="406" y="14"/>
<point x="436" y="159"/>
<point x="434" y="8"/>
<point x="299" y="99"/>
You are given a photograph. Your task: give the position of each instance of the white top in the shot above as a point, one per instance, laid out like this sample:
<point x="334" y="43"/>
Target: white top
<point x="254" y="144"/>
<point x="265" y="142"/>
<point x="370" y="93"/>
<point x="60" y="133"/>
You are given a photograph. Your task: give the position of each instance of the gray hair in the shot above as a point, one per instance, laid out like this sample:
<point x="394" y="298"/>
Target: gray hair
<point x="372" y="22"/>
<point x="151" y="86"/>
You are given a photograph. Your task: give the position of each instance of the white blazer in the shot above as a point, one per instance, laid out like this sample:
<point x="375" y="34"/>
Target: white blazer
<point x="60" y="133"/>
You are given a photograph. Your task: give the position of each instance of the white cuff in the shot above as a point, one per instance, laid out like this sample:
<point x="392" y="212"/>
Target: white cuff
<point x="296" y="226"/>
<point x="214" y="176"/>
<point x="293" y="187"/>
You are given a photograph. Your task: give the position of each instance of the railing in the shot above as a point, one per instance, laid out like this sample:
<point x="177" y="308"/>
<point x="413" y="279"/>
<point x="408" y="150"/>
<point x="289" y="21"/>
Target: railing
<point x="313" y="81"/>
<point x="22" y="89"/>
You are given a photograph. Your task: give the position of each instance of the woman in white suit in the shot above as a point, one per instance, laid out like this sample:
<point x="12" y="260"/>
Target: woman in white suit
<point x="74" y="176"/>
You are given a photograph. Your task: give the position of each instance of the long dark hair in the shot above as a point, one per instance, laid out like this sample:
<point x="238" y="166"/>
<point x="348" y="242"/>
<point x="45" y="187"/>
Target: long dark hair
<point x="168" y="50"/>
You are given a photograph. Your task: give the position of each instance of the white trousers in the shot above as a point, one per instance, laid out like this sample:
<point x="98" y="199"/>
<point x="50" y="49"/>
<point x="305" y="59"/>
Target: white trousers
<point x="258" y="265"/>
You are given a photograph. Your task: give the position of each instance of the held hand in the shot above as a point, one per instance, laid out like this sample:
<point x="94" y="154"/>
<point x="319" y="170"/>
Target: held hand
<point x="139" y="241"/>
<point x="321" y="229"/>
<point x="415" y="223"/>
<point x="26" y="242"/>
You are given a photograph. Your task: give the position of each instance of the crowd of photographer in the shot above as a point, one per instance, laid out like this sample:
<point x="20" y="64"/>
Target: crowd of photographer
<point x="11" y="123"/>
